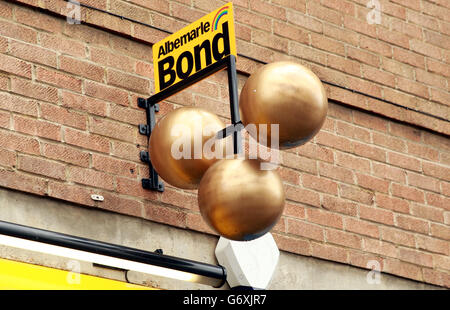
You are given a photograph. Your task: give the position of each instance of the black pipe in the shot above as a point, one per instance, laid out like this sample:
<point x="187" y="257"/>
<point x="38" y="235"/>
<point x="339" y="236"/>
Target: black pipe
<point x="216" y="274"/>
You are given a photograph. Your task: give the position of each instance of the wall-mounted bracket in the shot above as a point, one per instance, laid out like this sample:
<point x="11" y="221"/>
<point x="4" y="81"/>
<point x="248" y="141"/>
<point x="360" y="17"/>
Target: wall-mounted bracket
<point x="151" y="106"/>
<point x="152" y="182"/>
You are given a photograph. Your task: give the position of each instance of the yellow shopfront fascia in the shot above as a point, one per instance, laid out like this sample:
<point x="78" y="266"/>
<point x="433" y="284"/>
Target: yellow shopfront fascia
<point x="24" y="276"/>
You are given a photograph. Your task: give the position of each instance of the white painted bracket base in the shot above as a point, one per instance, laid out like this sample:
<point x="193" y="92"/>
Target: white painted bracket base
<point x="248" y="263"/>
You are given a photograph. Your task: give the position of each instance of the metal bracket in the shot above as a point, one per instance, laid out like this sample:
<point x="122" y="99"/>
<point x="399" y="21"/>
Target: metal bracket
<point x="151" y="106"/>
<point x="152" y="182"/>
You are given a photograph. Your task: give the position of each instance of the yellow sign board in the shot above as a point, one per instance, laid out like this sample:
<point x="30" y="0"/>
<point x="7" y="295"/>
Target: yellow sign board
<point x="194" y="47"/>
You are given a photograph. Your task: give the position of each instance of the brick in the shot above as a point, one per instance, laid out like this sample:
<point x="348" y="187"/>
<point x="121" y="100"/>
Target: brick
<point x="165" y="215"/>
<point x="393" y="37"/>
<point x="406" y="162"/>
<point x="415" y="257"/>
<point x="323" y="13"/>
<point x="412" y="224"/>
<point x="329" y="252"/>
<point x="128" y="81"/>
<point x="441" y="261"/>
<point x="411" y="30"/>
<point x="251" y="19"/>
<point x="351" y="131"/>
<point x="420" y="181"/>
<point x="7" y="158"/>
<point x="438" y="201"/>
<point x="324" y="218"/>
<point x="335" y="204"/>
<point x="17" y="31"/>
<point x="15" y="66"/>
<point x="22" y="182"/>
<point x="427" y="212"/>
<point x="436" y="39"/>
<point x="144" y="69"/>
<point x="412" y="87"/>
<point x="5" y="119"/>
<point x="423" y="76"/>
<point x="195" y="221"/>
<point x="389" y="142"/>
<point x="343" y="238"/>
<point x="294" y="210"/>
<point x="320" y="184"/>
<point x="290" y="32"/>
<point x="432" y="244"/>
<point x="361" y="227"/>
<point x="343" y="64"/>
<point x="372" y="183"/>
<point x="91" y="178"/>
<point x="126" y="46"/>
<point x="34" y="90"/>
<point x="42" y="167"/>
<point x="268" y="9"/>
<point x="352" y="162"/>
<point x="438" y="67"/>
<point x="406" y="270"/>
<point x="304" y="21"/>
<point x="127" y="115"/>
<point x="86" y="140"/>
<point x="125" y="150"/>
<point x="133" y="187"/>
<point x="321" y="42"/>
<point x="112" y="129"/>
<point x="33" y="53"/>
<point x="376" y="215"/>
<point x="316" y="152"/>
<point x="302" y="195"/>
<point x="106" y="93"/>
<point x="438" y="171"/>
<point x="409" y="58"/>
<point x="334" y="141"/>
<point x="408" y="193"/>
<point x="180" y="199"/>
<point x="363" y="56"/>
<point x="392" y="203"/>
<point x="422" y="20"/>
<point x="307" y="53"/>
<point x="305" y="229"/>
<point x="397" y="68"/>
<point x="129" y="11"/>
<point x="63" y="116"/>
<point x="437" y="141"/>
<point x="38" y="20"/>
<point x="72" y="193"/>
<point x="39" y="128"/>
<point x="114" y="166"/>
<point x="15" y="142"/>
<point x="115" y="203"/>
<point x="389" y="172"/>
<point x="6" y="10"/>
<point x="440" y="231"/>
<point x="440" y="96"/>
<point x="436" y="277"/>
<point x="364" y="260"/>
<point x="294" y="245"/>
<point x="397" y="236"/>
<point x="66" y="154"/>
<point x="83" y="103"/>
<point x="82" y="68"/>
<point x="62" y="44"/>
<point x="405" y="131"/>
<point x="356" y="194"/>
<point x="271" y="41"/>
<point x="379" y="247"/>
<point x="370" y="121"/>
<point x="375" y="46"/>
<point x="298" y="5"/>
<point x="58" y="79"/>
<point x="18" y="104"/>
<point x="336" y="173"/>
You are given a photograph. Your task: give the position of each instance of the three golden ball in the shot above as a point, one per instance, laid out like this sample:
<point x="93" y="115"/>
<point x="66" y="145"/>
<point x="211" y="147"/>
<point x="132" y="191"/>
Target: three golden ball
<point x="239" y="200"/>
<point x="177" y="145"/>
<point x="288" y="94"/>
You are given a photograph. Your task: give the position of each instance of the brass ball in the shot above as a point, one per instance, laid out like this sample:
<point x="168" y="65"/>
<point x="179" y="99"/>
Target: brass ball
<point x="182" y="132"/>
<point x="288" y="94"/>
<point x="239" y="200"/>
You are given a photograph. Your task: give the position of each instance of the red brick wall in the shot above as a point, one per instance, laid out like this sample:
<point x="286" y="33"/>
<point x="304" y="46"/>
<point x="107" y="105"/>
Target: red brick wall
<point x="369" y="186"/>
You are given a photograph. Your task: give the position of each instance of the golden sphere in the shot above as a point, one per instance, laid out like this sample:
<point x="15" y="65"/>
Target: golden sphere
<point x="288" y="94"/>
<point x="177" y="145"/>
<point x="239" y="200"/>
